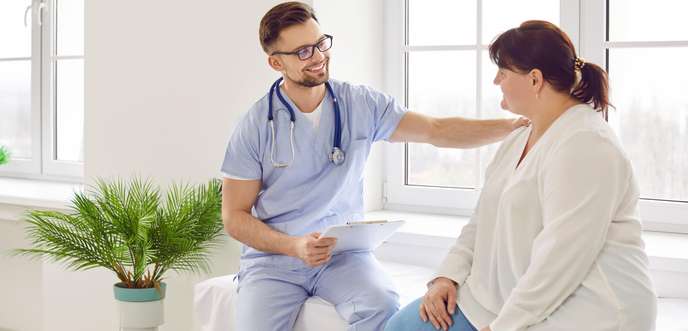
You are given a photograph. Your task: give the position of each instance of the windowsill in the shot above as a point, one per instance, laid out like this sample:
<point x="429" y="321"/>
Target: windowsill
<point x="666" y="251"/>
<point x="37" y="193"/>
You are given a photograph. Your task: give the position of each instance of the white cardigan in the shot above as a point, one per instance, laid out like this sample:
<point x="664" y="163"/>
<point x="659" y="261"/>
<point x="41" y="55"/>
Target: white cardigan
<point x="555" y="244"/>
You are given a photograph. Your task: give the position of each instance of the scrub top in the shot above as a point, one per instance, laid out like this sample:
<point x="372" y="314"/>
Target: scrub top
<point x="312" y="193"/>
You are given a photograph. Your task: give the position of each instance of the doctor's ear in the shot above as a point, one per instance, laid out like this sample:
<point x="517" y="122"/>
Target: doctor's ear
<point x="275" y="63"/>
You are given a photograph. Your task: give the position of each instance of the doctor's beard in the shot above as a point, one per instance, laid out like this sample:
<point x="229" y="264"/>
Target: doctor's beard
<point x="312" y="81"/>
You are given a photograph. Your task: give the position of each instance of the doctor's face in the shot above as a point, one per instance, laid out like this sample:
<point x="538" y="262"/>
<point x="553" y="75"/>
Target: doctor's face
<point x="517" y="94"/>
<point x="310" y="72"/>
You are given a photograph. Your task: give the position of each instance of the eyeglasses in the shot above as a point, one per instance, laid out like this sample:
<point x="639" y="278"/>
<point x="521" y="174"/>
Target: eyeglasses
<point x="306" y="52"/>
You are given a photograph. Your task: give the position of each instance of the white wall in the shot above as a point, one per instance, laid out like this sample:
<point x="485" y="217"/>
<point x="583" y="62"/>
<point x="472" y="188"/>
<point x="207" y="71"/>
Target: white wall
<point x="20" y="278"/>
<point x="166" y="82"/>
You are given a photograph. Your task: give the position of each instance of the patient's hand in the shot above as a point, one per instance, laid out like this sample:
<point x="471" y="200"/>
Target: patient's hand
<point x="313" y="249"/>
<point x="439" y="303"/>
<point x="487" y="328"/>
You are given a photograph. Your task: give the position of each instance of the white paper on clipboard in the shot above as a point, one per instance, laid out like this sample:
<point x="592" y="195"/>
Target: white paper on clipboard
<point x="361" y="236"/>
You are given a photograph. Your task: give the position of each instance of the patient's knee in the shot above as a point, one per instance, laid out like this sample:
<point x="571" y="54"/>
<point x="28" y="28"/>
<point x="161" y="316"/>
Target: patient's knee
<point x="406" y="319"/>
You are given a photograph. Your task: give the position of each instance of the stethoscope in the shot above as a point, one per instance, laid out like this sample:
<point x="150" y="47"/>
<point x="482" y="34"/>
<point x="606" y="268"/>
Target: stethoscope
<point x="337" y="156"/>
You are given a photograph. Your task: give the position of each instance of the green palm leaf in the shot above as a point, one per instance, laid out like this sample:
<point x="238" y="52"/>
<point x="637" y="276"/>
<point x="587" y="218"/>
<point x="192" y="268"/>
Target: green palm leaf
<point x="126" y="228"/>
<point x="4" y="155"/>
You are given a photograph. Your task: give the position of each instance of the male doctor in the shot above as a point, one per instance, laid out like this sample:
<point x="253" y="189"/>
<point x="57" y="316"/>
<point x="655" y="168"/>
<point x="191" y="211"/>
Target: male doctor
<point x="294" y="166"/>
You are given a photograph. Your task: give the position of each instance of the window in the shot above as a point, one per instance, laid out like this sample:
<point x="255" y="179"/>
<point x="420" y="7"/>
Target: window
<point x="449" y="74"/>
<point x="649" y="81"/>
<point x="41" y="87"/>
<point x="446" y="71"/>
<point x="440" y="66"/>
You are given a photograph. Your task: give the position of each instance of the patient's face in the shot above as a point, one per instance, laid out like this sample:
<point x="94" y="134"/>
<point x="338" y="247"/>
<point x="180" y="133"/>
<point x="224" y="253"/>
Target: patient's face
<point x="310" y="72"/>
<point x="516" y="90"/>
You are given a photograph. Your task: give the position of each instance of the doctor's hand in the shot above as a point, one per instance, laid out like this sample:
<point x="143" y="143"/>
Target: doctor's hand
<point x="519" y="122"/>
<point x="439" y="303"/>
<point x="314" y="250"/>
<point x="487" y="328"/>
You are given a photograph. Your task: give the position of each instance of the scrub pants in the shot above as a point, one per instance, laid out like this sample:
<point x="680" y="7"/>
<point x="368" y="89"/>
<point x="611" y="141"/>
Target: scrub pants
<point x="408" y="319"/>
<point x="270" y="296"/>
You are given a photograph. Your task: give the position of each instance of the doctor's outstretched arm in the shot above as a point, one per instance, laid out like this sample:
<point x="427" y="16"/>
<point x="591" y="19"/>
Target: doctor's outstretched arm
<point x="454" y="132"/>
<point x="238" y="197"/>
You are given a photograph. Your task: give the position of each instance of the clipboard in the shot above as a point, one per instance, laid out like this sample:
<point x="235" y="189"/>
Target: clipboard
<point x="361" y="236"/>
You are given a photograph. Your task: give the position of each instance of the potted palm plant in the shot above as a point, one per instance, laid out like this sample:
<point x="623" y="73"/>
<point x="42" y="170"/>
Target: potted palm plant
<point x="129" y="229"/>
<point x="4" y="155"/>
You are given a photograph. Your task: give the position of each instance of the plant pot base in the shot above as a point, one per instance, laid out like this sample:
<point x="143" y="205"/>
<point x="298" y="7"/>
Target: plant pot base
<point x="141" y="316"/>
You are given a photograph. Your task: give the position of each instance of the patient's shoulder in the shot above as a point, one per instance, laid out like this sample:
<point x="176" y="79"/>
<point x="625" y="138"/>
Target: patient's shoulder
<point x="513" y="138"/>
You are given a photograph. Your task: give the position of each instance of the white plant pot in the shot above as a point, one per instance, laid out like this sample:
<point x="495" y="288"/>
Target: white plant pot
<point x="141" y="316"/>
<point x="140" y="309"/>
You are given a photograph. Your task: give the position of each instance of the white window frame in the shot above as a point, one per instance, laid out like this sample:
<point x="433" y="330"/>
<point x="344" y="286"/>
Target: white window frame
<point x="657" y="215"/>
<point x="43" y="163"/>
<point x="580" y="19"/>
<point x="22" y="167"/>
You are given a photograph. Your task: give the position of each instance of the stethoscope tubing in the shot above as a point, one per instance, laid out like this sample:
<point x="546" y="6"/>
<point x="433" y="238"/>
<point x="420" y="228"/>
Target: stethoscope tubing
<point x="337" y="156"/>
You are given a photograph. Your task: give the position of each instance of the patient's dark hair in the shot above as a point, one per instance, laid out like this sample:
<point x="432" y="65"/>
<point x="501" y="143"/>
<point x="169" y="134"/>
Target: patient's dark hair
<point x="542" y="45"/>
<point x="281" y="17"/>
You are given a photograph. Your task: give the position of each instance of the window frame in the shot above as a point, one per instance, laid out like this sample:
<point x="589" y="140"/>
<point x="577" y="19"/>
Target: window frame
<point x="43" y="163"/>
<point x="24" y="167"/>
<point x="584" y="21"/>
<point x="657" y="215"/>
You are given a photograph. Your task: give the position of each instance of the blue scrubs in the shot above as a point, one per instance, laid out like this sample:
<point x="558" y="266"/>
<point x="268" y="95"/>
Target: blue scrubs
<point x="311" y="195"/>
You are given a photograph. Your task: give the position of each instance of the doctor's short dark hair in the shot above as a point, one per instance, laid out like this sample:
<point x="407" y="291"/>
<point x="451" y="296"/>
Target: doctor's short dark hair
<point x="281" y="17"/>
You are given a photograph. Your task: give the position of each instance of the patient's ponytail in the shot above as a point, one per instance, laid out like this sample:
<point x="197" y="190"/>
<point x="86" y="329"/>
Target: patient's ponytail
<point x="593" y="87"/>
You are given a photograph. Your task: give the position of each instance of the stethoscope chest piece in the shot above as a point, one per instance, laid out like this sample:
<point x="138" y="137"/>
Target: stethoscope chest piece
<point x="337" y="156"/>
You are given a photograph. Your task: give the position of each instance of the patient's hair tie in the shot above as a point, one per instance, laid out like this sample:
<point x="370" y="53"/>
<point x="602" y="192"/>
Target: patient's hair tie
<point x="578" y="64"/>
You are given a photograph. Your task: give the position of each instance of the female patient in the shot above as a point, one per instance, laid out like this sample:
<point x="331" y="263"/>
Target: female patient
<point x="555" y="240"/>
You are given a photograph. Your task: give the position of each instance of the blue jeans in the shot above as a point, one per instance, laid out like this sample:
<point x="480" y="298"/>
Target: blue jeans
<point x="408" y="319"/>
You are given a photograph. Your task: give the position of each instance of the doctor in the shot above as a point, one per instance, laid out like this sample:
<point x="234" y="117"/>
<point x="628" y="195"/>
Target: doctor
<point x="294" y="166"/>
